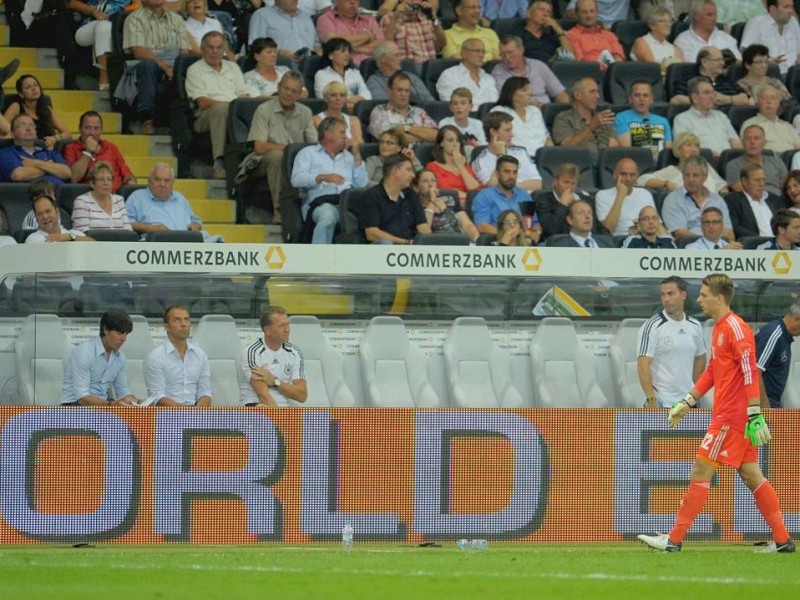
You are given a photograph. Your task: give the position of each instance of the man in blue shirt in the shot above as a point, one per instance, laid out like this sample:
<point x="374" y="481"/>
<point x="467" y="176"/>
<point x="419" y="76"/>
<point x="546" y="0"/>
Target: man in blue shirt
<point x="774" y="354"/>
<point x="25" y="161"/>
<point x="323" y="172"/>
<point x="96" y="373"/>
<point x="176" y="372"/>
<point x="637" y="126"/>
<point x="490" y="202"/>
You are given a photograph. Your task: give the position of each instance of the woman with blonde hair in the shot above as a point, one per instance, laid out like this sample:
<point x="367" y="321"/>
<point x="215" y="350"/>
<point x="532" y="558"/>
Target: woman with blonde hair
<point x="100" y="208"/>
<point x="670" y="178"/>
<point x="655" y="47"/>
<point x="335" y="96"/>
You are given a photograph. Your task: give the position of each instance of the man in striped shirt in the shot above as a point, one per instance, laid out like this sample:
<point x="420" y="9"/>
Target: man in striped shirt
<point x="774" y="352"/>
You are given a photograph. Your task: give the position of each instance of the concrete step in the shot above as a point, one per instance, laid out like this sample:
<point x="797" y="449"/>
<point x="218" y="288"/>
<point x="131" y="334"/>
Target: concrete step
<point x="28" y="58"/>
<point x="238" y="234"/>
<point x="112" y="122"/>
<point x="80" y="100"/>
<point x="214" y="211"/>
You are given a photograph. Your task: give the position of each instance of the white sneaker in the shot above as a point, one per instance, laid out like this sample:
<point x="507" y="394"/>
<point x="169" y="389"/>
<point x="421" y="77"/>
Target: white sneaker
<point x="772" y="547"/>
<point x="660" y="541"/>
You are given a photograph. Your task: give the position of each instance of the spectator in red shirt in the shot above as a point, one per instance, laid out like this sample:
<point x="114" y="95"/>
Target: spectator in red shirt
<point x="344" y="21"/>
<point x="449" y="163"/>
<point x="589" y="38"/>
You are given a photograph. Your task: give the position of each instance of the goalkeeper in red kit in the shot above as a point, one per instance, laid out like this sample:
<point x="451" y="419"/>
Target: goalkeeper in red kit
<point x="737" y="427"/>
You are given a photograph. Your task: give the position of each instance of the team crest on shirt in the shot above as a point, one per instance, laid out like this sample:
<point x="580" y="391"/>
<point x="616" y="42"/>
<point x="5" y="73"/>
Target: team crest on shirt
<point x="668" y="341"/>
<point x="695" y="339"/>
<point x="720" y="339"/>
<point x="287" y="371"/>
<point x="784" y="356"/>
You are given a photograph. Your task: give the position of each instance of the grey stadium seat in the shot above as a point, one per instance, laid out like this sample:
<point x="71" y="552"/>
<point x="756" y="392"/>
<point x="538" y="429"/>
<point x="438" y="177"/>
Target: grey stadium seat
<point x="624" y="357"/>
<point x="40" y="353"/>
<point x="218" y="337"/>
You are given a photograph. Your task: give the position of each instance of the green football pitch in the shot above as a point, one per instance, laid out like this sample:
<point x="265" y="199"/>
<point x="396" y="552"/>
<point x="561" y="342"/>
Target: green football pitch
<point x="382" y="572"/>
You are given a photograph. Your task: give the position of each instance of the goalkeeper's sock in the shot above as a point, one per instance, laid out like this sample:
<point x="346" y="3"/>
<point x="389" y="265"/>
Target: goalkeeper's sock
<point x="692" y="504"/>
<point x="768" y="505"/>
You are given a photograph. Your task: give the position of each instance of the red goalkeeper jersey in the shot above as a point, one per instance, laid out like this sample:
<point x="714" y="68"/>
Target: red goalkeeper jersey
<point x="731" y="371"/>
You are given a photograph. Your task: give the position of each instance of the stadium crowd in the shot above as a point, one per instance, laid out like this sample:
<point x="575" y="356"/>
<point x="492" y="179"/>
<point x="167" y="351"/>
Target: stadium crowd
<point x="423" y="118"/>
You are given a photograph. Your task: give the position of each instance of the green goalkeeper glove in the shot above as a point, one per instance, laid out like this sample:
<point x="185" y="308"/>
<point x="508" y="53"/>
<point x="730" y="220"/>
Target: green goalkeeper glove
<point x="756" y="429"/>
<point x="679" y="409"/>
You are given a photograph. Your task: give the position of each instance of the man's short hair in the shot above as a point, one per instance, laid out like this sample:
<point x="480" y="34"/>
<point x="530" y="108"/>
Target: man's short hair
<point x="511" y="38"/>
<point x="782" y="219"/>
<point x="693" y="85"/>
<point x="578" y="84"/>
<point x="172" y="307"/>
<point x="794" y="310"/>
<point x="748" y="169"/>
<point x="719" y="284"/>
<point x="399" y="76"/>
<point x="41" y="187"/>
<point x="294" y="75"/>
<point x="268" y="315"/>
<point x="461" y="92"/>
<point x="754" y="126"/>
<point x="679" y="282"/>
<point x="505" y="158"/>
<point x="381" y="50"/>
<point x="699" y="6"/>
<point x="710" y="209"/>
<point x="574" y="203"/>
<point x="88" y="114"/>
<point x="696" y="161"/>
<point x="392" y="162"/>
<point x="494" y="120"/>
<point x="752" y="52"/>
<point x="21" y="115"/>
<point x="766" y="87"/>
<point x="159" y="166"/>
<point x="636" y="82"/>
<point x="570" y="169"/>
<point x="117" y="320"/>
<point x="210" y="34"/>
<point x="327" y="124"/>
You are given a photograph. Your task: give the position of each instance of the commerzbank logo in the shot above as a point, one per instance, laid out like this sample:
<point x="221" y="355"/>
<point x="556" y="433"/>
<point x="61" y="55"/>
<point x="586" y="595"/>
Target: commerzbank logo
<point x="532" y="259"/>
<point x="275" y="258"/>
<point x="781" y="263"/>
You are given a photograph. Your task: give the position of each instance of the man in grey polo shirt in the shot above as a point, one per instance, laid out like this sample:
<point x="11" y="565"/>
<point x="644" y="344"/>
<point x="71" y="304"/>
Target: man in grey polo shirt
<point x="545" y="86"/>
<point x="754" y="141"/>
<point x="682" y="208"/>
<point x="712" y="126"/>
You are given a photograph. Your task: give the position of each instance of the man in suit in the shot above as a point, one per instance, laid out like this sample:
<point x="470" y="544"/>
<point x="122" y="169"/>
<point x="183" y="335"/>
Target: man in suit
<point x="751" y="209"/>
<point x="581" y="221"/>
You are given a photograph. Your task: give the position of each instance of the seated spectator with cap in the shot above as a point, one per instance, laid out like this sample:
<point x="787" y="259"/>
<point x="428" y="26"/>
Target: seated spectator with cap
<point x="785" y="226"/>
<point x="648" y="232"/>
<point x="583" y="125"/>
<point x="499" y="130"/>
<point x="711" y="228"/>
<point x="159" y="208"/>
<point x="467" y="25"/>
<point x="89" y="149"/>
<point x="471" y="128"/>
<point x="25" y="161"/>
<point x="388" y="60"/>
<point x="580" y="218"/>
<point x="780" y="135"/>
<point x="681" y="209"/>
<point x="670" y="178"/>
<point x="754" y="142"/>
<point x="391" y="212"/>
<point x="491" y="201"/>
<point x="50" y="230"/>
<point x="545" y="86"/>
<point x="712" y="127"/>
<point x="618" y="207"/>
<point x="543" y="36"/>
<point x="752" y="209"/>
<point x="468" y="73"/>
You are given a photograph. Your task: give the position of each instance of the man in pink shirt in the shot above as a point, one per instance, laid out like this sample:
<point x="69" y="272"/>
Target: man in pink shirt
<point x="590" y="39"/>
<point x="362" y="31"/>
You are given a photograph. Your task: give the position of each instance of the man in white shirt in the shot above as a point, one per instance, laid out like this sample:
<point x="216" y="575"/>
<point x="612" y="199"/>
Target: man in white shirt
<point x="711" y="225"/>
<point x="50" y="230"/>
<point x="273" y="370"/>
<point x="752" y="209"/>
<point x="499" y="129"/>
<point x="176" y="372"/>
<point x="672" y="351"/>
<point x="289" y="25"/>
<point x="780" y="135"/>
<point x="778" y="30"/>
<point x="712" y="126"/>
<point x="212" y="83"/>
<point x="469" y="73"/>
<point x="618" y="207"/>
<point x="703" y="32"/>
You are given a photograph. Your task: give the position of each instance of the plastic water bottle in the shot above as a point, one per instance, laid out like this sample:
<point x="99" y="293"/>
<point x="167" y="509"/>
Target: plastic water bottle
<point x="462" y="544"/>
<point x="347" y="538"/>
<point x="479" y="545"/>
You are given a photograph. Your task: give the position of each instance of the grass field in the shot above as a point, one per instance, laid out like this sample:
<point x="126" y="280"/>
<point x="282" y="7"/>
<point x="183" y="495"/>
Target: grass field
<point x="385" y="572"/>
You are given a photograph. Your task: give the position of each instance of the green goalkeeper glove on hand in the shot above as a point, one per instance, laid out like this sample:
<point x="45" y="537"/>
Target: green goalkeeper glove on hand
<point x="679" y="409"/>
<point x="756" y="429"/>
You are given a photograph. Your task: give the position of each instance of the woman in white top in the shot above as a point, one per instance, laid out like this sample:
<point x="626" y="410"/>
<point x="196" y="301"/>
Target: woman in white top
<point x="530" y="131"/>
<point x="266" y="73"/>
<point x="198" y="23"/>
<point x="99" y="208"/>
<point x="670" y="178"/>
<point x="654" y="46"/>
<point x="335" y="96"/>
<point x="337" y="67"/>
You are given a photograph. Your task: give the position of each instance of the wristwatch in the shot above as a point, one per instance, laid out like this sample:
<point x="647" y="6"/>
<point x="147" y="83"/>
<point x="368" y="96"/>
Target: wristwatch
<point x="276" y="384"/>
<point x="407" y="127"/>
<point x="72" y="236"/>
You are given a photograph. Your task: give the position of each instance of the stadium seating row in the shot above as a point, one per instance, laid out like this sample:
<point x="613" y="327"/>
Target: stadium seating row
<point x="394" y="373"/>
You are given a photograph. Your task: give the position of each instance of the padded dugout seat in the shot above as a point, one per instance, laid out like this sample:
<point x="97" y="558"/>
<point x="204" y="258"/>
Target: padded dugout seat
<point x="394" y="371"/>
<point x="563" y="370"/>
<point x="478" y="371"/>
<point x="624" y="353"/>
<point x="323" y="365"/>
<point x="138" y="345"/>
<point x="40" y="354"/>
<point x="218" y="337"/>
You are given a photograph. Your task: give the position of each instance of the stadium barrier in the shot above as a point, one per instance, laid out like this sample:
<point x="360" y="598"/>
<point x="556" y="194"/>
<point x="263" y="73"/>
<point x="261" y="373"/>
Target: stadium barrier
<point x="127" y="475"/>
